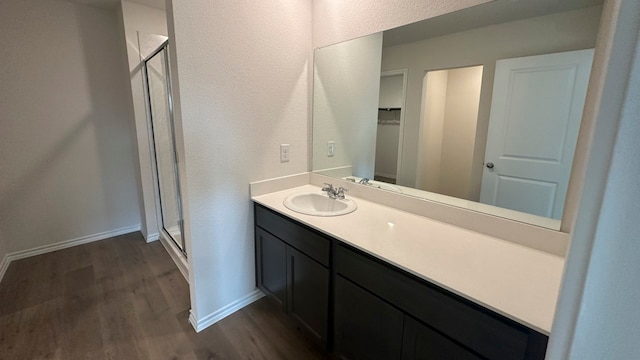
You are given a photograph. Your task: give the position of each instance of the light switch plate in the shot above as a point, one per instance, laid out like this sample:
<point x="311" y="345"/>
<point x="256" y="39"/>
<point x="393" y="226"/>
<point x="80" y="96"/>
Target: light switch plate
<point x="284" y="153"/>
<point x="331" y="148"/>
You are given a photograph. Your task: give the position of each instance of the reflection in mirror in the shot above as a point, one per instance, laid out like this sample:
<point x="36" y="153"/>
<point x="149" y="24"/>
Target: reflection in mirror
<point x="450" y="102"/>
<point x="480" y="108"/>
<point x="390" y="116"/>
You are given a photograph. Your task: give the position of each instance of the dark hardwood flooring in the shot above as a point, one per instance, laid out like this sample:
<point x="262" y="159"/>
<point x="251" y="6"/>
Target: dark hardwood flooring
<point x="124" y="299"/>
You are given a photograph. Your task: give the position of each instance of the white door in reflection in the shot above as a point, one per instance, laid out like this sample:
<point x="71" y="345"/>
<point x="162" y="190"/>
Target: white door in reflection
<point x="536" y="111"/>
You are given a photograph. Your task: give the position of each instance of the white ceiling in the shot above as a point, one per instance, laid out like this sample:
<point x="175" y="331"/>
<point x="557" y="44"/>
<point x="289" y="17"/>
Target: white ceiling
<point x="496" y="12"/>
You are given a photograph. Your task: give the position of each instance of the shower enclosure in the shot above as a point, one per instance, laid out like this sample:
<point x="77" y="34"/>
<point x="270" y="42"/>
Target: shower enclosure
<point x="163" y="144"/>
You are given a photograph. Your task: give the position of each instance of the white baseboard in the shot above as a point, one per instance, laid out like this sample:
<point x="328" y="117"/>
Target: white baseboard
<point x="225" y="311"/>
<point x="4" y="265"/>
<point x="22" y="254"/>
<point x="152" y="237"/>
<point x="177" y="257"/>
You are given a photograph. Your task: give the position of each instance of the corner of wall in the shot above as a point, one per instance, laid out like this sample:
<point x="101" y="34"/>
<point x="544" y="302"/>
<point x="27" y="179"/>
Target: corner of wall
<point x="223" y="312"/>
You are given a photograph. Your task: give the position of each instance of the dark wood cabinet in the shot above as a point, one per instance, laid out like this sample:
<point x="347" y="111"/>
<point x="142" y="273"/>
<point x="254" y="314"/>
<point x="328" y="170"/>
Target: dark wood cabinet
<point x="461" y="323"/>
<point x="363" y="308"/>
<point x="365" y="326"/>
<point x="271" y="265"/>
<point x="308" y="293"/>
<point x="421" y="342"/>
<point x="291" y="268"/>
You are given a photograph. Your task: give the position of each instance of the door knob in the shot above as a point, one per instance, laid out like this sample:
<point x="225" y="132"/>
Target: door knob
<point x="490" y="165"/>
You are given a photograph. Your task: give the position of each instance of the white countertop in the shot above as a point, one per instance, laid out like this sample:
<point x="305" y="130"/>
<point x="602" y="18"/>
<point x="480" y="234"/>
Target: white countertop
<point x="516" y="281"/>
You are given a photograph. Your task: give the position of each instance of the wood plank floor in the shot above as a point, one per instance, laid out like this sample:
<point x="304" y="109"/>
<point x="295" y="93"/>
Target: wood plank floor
<point x="124" y="299"/>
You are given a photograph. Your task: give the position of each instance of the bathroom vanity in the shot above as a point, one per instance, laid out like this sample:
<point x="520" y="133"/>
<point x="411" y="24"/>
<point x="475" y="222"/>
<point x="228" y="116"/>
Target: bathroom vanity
<point x="384" y="284"/>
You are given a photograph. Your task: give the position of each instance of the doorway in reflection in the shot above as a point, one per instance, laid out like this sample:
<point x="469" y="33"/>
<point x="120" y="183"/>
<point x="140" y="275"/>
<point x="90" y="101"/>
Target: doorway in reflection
<point x="447" y="142"/>
<point x="391" y="102"/>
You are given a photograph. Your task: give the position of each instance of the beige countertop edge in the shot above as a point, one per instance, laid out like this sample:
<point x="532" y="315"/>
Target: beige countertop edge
<point x="515" y="281"/>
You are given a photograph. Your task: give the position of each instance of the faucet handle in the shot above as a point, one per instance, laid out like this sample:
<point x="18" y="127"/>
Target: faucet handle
<point x="327" y="187"/>
<point x="330" y="190"/>
<point x="340" y="193"/>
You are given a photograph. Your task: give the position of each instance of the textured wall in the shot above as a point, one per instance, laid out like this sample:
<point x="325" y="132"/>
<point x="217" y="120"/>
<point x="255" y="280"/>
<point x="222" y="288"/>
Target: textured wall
<point x="243" y="69"/>
<point x="597" y="312"/>
<point x="66" y="151"/>
<point x="609" y="315"/>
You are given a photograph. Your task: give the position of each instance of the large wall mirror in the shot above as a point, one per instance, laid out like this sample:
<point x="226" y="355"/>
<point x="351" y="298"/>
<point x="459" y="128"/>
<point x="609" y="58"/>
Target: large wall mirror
<point x="479" y="108"/>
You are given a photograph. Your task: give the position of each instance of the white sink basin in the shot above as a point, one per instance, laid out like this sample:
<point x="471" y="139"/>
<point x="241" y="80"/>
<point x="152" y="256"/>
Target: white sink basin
<point x="318" y="204"/>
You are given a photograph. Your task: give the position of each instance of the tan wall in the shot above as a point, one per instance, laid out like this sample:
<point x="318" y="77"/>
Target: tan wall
<point x="459" y="131"/>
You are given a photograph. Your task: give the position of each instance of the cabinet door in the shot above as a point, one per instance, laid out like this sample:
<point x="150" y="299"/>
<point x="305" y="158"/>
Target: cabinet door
<point x="365" y="326"/>
<point x="308" y="295"/>
<point x="271" y="265"/>
<point x="422" y="343"/>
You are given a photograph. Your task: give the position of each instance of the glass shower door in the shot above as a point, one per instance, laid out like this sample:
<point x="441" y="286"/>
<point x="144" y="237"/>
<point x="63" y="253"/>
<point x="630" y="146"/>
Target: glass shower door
<point x="164" y="145"/>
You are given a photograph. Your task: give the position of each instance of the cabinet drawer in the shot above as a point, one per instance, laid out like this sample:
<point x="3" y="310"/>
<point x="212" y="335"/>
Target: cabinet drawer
<point x="486" y="333"/>
<point x="305" y="240"/>
<point x="421" y="342"/>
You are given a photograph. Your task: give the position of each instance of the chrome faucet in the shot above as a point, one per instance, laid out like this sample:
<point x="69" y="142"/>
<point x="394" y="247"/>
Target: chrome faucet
<point x="364" y="181"/>
<point x="333" y="192"/>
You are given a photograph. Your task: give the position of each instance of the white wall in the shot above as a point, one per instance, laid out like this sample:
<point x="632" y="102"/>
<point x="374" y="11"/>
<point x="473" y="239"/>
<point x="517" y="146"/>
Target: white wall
<point x="607" y="326"/>
<point x="391" y="91"/>
<point x="597" y="313"/>
<point x="66" y="151"/>
<point x="346" y="88"/>
<point x="336" y="21"/>
<point x="140" y="20"/>
<point x="572" y="30"/>
<point x="244" y="84"/>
